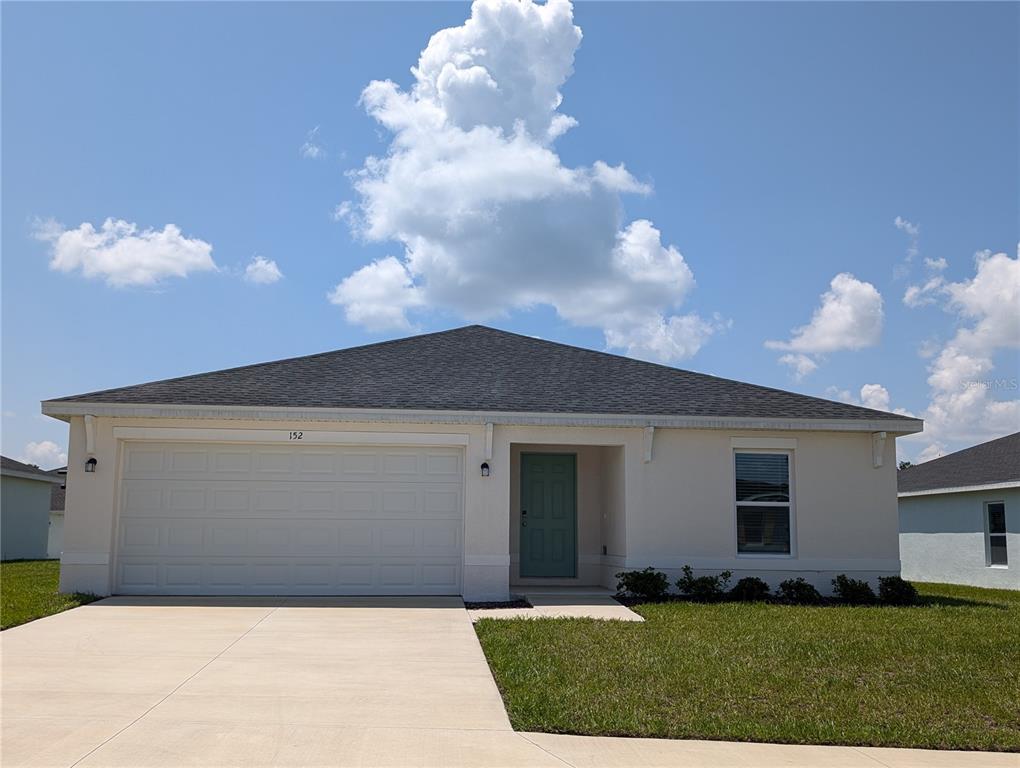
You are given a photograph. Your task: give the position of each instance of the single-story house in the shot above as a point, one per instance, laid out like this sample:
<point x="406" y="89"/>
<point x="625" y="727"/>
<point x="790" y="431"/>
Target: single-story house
<point x="467" y="462"/>
<point x="24" y="509"/>
<point x="960" y="516"/>
<point x="55" y="542"/>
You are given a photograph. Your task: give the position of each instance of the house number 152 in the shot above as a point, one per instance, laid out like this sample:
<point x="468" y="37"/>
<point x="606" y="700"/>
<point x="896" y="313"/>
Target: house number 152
<point x="296" y="436"/>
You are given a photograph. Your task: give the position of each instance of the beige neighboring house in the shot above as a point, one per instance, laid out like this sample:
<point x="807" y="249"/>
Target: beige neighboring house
<point x="24" y="509"/>
<point x="55" y="542"/>
<point x="470" y="462"/>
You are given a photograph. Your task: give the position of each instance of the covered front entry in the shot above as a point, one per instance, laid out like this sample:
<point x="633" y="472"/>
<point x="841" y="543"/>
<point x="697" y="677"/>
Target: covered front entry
<point x="567" y="515"/>
<point x="548" y="515"/>
<point x="284" y="519"/>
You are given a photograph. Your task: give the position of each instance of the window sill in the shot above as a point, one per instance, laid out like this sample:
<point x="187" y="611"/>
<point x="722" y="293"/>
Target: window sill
<point x="765" y="556"/>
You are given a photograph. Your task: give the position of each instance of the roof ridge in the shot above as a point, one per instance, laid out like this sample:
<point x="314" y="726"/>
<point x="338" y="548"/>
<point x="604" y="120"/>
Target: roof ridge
<point x="248" y="366"/>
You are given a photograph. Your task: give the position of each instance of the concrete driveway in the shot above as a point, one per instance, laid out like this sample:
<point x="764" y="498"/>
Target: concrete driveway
<point x="235" y="681"/>
<point x="395" y="682"/>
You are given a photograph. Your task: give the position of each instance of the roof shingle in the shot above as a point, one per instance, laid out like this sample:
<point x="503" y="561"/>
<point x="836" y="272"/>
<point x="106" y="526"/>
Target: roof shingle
<point x="997" y="461"/>
<point x="476" y="368"/>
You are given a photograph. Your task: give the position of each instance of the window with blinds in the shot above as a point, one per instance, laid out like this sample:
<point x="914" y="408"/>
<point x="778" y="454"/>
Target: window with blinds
<point x="763" y="503"/>
<point x="996" y="513"/>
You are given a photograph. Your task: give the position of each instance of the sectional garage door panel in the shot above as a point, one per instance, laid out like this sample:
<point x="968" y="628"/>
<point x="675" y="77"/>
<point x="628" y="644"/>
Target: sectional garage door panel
<point x="268" y="519"/>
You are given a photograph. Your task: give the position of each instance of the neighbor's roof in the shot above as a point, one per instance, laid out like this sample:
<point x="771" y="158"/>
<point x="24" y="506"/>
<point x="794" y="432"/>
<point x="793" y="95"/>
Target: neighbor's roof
<point x="476" y="368"/>
<point x="14" y="468"/>
<point x="996" y="462"/>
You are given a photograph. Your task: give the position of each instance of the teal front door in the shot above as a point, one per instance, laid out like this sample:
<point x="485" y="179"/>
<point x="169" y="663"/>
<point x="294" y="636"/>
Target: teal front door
<point x="548" y="515"/>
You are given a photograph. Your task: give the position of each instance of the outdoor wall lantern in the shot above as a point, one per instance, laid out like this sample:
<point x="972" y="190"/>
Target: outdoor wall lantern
<point x="90" y="464"/>
<point x="485" y="469"/>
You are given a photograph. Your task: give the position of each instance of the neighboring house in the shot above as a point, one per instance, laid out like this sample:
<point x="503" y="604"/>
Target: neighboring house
<point x="56" y="537"/>
<point x="960" y="517"/>
<point x="471" y="462"/>
<point x="24" y="510"/>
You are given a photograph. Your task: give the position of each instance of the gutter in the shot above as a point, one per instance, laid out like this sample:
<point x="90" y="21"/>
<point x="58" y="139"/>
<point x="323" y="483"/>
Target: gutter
<point x="64" y="411"/>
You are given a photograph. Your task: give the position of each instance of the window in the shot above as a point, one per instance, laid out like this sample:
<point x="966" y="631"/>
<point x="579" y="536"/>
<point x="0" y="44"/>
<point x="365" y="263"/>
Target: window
<point x="996" y="514"/>
<point x="763" y="503"/>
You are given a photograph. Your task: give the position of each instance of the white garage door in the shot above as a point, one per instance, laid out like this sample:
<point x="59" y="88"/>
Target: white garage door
<point x="238" y="519"/>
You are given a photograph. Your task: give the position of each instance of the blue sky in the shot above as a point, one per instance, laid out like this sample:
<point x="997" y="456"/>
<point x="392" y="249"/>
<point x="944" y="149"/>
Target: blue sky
<point x="772" y="145"/>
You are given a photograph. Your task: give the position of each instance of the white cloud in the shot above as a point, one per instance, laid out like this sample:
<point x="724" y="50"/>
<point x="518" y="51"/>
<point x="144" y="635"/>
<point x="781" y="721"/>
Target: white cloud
<point x="378" y="295"/>
<point x="801" y="365"/>
<point x="963" y="409"/>
<point x="912" y="231"/>
<point x="848" y="318"/>
<point x="489" y="218"/>
<point x="122" y="254"/>
<point x="45" y="454"/>
<point x="262" y="271"/>
<point x="311" y="149"/>
<point x="873" y="396"/>
<point x="936" y="265"/>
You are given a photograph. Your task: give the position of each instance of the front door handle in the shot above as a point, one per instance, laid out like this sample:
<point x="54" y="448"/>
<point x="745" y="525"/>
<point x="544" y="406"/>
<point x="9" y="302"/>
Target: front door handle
<point x="524" y="518"/>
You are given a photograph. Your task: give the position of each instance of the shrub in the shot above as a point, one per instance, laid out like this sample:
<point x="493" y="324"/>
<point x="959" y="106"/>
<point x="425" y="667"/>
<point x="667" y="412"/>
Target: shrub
<point x="704" y="588"/>
<point x="648" y="584"/>
<point x="852" y="591"/>
<point x="896" y="591"/>
<point x="798" y="592"/>
<point x="750" y="589"/>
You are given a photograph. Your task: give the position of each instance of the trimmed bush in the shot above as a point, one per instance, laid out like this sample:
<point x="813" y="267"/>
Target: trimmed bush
<point x="798" y="592"/>
<point x="750" y="589"/>
<point x="648" y="584"/>
<point x="893" y="590"/>
<point x="703" y="588"/>
<point x="852" y="591"/>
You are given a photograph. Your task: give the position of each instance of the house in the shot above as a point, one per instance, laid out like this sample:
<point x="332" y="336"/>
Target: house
<point x="24" y="509"/>
<point x="55" y="542"/>
<point x="960" y="516"/>
<point x="472" y="462"/>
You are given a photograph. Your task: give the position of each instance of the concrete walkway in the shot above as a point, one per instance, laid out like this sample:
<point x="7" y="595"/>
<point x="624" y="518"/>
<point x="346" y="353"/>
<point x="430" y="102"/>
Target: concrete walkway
<point x="303" y="682"/>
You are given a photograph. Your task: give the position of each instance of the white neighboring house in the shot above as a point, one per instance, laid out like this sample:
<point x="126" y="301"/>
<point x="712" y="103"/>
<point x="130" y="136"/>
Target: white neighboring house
<point x="469" y="462"/>
<point x="55" y="542"/>
<point x="960" y="517"/>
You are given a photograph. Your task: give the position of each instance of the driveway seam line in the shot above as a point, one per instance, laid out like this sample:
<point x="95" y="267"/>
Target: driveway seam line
<point x="181" y="684"/>
<point x="551" y="754"/>
<point x="870" y="757"/>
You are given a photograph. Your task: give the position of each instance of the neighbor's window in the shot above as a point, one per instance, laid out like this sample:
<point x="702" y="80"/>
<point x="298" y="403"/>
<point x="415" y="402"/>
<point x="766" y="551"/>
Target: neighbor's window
<point x="763" y="503"/>
<point x="996" y="512"/>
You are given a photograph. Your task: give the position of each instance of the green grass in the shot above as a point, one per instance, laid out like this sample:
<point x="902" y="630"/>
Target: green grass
<point x="945" y="674"/>
<point x="28" y="590"/>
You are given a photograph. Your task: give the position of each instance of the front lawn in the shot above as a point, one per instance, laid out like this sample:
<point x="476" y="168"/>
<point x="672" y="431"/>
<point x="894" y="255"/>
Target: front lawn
<point x="945" y="674"/>
<point x="28" y="590"/>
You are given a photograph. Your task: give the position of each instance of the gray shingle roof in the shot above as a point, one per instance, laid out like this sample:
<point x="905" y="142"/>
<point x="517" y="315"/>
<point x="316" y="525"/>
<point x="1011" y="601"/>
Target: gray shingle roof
<point x="997" y="461"/>
<point x="476" y="368"/>
<point x="11" y="465"/>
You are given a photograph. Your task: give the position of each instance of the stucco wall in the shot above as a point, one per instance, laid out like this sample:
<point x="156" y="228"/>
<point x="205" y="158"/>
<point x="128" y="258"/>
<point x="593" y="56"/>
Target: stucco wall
<point x="676" y="509"/>
<point x="24" y="518"/>
<point x="942" y="538"/>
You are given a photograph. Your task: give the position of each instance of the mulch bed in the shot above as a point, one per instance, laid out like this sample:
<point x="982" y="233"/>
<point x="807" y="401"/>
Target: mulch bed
<point x="522" y="603"/>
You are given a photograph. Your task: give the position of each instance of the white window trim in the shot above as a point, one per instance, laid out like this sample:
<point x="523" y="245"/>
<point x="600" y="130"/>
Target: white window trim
<point x="989" y="534"/>
<point x="792" y="554"/>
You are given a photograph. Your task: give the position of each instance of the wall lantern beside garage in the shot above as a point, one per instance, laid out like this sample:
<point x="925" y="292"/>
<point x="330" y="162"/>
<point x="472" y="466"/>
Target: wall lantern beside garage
<point x="485" y="469"/>
<point x="90" y="464"/>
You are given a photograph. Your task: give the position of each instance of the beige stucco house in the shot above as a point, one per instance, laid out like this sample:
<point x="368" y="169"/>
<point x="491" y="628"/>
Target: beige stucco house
<point x="471" y="462"/>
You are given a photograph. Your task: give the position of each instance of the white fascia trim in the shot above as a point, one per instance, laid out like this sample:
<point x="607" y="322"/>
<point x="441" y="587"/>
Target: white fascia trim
<point x="961" y="489"/>
<point x="307" y="437"/>
<point x="32" y="476"/>
<point x="65" y="410"/>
